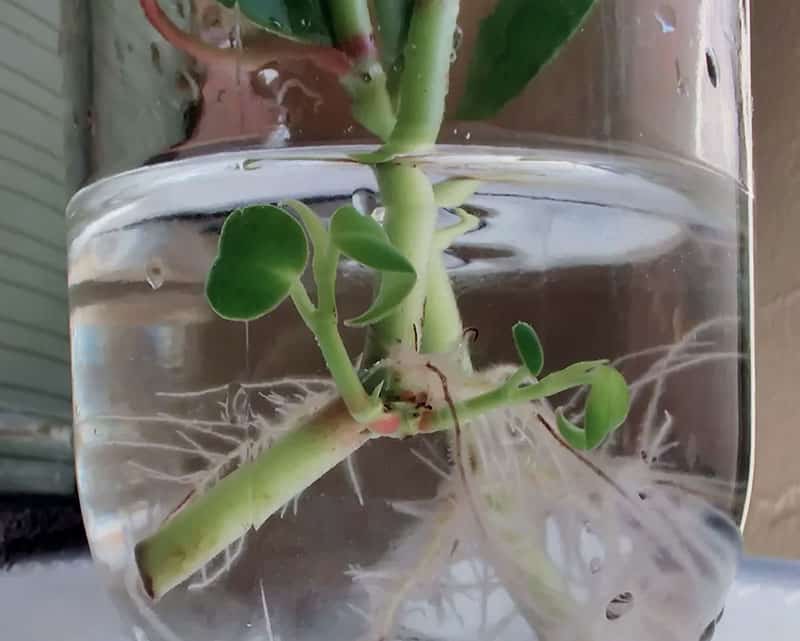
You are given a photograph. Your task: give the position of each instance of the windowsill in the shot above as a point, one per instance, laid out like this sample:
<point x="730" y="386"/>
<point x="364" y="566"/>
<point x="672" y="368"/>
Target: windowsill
<point x="63" y="599"/>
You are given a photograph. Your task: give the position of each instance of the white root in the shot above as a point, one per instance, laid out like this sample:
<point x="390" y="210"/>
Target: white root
<point x="569" y="534"/>
<point x="538" y="537"/>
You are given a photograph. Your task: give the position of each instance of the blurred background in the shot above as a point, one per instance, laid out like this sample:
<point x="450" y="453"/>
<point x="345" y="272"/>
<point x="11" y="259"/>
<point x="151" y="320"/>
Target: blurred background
<point x="48" y="149"/>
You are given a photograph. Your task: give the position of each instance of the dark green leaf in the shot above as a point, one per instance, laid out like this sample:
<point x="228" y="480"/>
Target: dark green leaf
<point x="262" y="254"/>
<point x="303" y="20"/>
<point x="228" y="3"/>
<point x="364" y="240"/>
<point x="529" y="348"/>
<point x="393" y="18"/>
<point x="606" y="408"/>
<point x="607" y="405"/>
<point x="514" y="43"/>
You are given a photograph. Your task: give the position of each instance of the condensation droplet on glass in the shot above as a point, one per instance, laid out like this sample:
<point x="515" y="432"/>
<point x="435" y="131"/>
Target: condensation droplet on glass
<point x="304" y="23"/>
<point x="364" y="200"/>
<point x="595" y="565"/>
<point x="667" y="19"/>
<point x="139" y="634"/>
<point x="268" y="75"/>
<point x="468" y="135"/>
<point x="154" y="273"/>
<point x="619" y="606"/>
<point x="458" y="38"/>
<point x="155" y="57"/>
<point x="711" y="67"/>
<point x="680" y="86"/>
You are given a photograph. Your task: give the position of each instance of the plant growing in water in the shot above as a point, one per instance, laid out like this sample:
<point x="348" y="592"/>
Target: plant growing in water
<point x="415" y="375"/>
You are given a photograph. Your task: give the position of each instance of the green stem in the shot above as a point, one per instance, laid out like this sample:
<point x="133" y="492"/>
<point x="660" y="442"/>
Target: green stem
<point x="425" y="81"/>
<point x="410" y="222"/>
<point x="246" y="498"/>
<point x="366" y="82"/>
<point x="443" y="328"/>
<point x="509" y="394"/>
<point x="324" y="326"/>
<point x="352" y="22"/>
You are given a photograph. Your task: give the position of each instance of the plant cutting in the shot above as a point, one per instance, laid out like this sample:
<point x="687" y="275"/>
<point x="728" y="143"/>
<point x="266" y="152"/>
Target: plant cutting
<point x="415" y="375"/>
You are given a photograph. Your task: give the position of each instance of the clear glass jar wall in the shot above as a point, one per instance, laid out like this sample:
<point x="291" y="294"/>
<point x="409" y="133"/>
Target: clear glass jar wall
<point x="608" y="205"/>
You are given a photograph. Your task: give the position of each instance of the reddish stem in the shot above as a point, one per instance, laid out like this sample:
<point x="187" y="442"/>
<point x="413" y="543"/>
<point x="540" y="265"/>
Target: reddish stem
<point x="359" y="47"/>
<point x="325" y="58"/>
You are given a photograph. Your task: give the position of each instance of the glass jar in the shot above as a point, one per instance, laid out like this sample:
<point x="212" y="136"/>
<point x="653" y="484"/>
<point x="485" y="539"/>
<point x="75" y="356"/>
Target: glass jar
<point x="607" y="203"/>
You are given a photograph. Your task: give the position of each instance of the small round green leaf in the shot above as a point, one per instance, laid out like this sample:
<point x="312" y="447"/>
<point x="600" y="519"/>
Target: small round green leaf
<point x="529" y="348"/>
<point x="364" y="240"/>
<point x="573" y="434"/>
<point x="607" y="406"/>
<point x="262" y="253"/>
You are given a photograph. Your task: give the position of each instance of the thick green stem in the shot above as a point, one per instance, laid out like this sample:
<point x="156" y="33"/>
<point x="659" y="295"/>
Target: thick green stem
<point x="410" y="222"/>
<point x="442" y="325"/>
<point x="366" y="82"/>
<point x="443" y="328"/>
<point x="246" y="498"/>
<point x="425" y="81"/>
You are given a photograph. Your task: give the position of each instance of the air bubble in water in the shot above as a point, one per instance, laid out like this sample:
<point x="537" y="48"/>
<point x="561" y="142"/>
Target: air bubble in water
<point x="364" y="200"/>
<point x="154" y="273"/>
<point x="667" y="19"/>
<point x="379" y="214"/>
<point x="619" y="606"/>
<point x="458" y="38"/>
